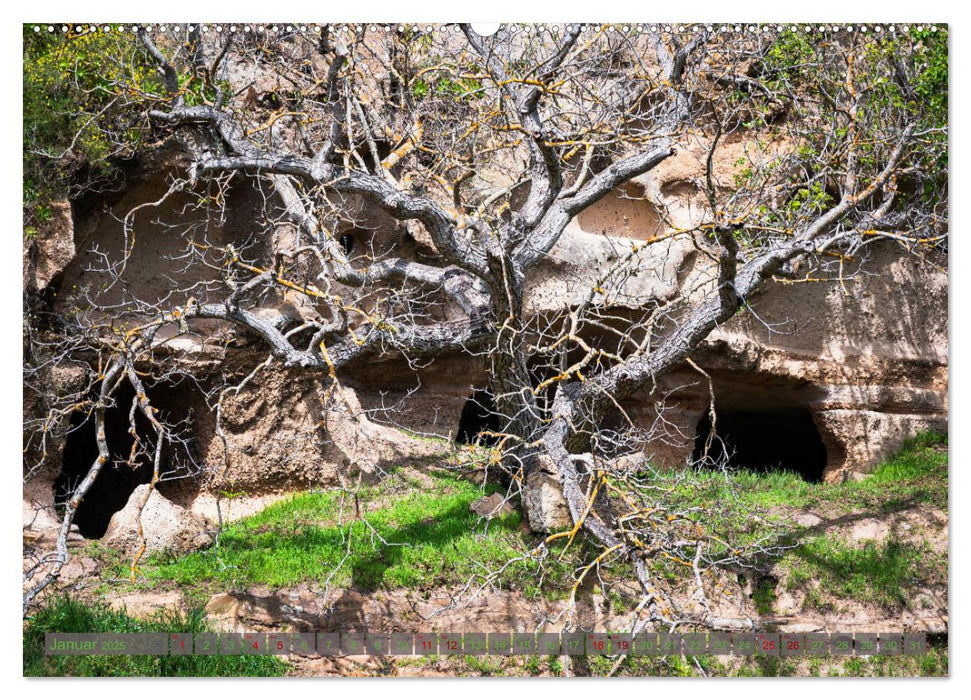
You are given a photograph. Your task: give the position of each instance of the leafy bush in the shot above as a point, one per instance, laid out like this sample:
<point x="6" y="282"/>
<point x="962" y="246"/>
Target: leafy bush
<point x="81" y="92"/>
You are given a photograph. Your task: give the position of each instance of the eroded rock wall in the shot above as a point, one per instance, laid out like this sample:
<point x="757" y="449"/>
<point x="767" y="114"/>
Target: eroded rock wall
<point x="866" y="355"/>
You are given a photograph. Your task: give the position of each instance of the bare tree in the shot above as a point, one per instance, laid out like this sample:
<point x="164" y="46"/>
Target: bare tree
<point x="482" y="150"/>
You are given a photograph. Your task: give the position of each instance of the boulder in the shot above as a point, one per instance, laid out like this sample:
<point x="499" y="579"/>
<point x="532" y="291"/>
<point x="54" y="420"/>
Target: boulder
<point x="166" y="526"/>
<point x="546" y="508"/>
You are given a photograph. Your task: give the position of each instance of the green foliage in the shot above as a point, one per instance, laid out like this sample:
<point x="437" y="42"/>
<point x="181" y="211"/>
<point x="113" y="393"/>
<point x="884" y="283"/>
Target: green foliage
<point x="461" y="88"/>
<point x="418" y="539"/>
<point x="909" y="75"/>
<point x="930" y="85"/>
<point x="764" y="596"/>
<point x="794" y="59"/>
<point x="80" y="96"/>
<point x="484" y="665"/>
<point x="856" y="94"/>
<point x="197" y="92"/>
<point x="789" y="60"/>
<point x="67" y="615"/>
<point x="884" y="573"/>
<point x="810" y="200"/>
<point x="923" y="56"/>
<point x="532" y="665"/>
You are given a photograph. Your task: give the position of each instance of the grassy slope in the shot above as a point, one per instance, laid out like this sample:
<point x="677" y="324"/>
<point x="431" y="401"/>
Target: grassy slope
<point x="885" y="572"/>
<point x="301" y="540"/>
<point x="422" y="537"/>
<point x="915" y="475"/>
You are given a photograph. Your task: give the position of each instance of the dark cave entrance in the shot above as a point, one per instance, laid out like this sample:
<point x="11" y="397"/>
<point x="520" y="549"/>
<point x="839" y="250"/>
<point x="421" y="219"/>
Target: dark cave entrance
<point x="479" y="415"/>
<point x="117" y="479"/>
<point x="778" y="439"/>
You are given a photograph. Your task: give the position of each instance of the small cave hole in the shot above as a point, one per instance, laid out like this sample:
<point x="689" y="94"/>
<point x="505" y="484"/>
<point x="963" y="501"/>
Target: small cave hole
<point x="784" y="439"/>
<point x="347" y="243"/>
<point x="479" y="415"/>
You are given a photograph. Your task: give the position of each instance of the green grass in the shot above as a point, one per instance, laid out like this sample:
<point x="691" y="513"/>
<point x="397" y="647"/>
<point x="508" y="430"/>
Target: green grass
<point x="828" y="568"/>
<point x="425" y="537"/>
<point x="884" y="573"/>
<point x="764" y="596"/>
<point x="916" y="474"/>
<point x="67" y="615"/>
<point x="824" y="567"/>
<point x="432" y="538"/>
<point x="416" y="539"/>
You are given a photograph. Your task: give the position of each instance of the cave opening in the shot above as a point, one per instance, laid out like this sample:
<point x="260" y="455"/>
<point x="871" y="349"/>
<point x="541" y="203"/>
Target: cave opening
<point x="118" y="479"/>
<point x="479" y="414"/>
<point x="779" y="439"/>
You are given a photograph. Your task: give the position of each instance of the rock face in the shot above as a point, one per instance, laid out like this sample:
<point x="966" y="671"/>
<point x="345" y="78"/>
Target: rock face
<point x="51" y="250"/>
<point x="864" y="357"/>
<point x="283" y="434"/>
<point x="166" y="526"/>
